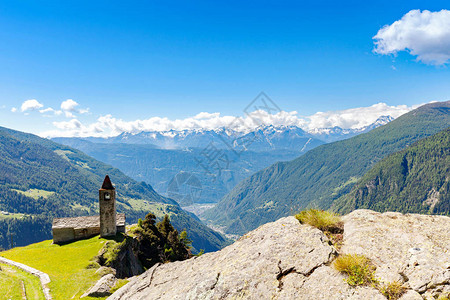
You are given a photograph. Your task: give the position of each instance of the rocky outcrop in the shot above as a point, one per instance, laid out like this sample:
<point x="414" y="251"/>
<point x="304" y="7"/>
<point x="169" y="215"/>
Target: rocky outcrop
<point x="102" y="287"/>
<point x="126" y="262"/>
<point x="413" y="249"/>
<point x="287" y="260"/>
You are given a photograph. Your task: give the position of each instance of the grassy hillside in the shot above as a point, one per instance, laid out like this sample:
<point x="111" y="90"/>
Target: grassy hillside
<point x="413" y="180"/>
<point x="323" y="174"/>
<point x="66" y="265"/>
<point x="44" y="179"/>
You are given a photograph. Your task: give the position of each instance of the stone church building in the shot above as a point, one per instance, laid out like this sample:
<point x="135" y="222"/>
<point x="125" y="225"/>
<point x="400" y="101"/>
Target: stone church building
<point x="108" y="223"/>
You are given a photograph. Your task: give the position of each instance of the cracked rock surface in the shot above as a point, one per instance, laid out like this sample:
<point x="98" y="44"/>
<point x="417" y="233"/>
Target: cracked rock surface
<point x="287" y="260"/>
<point x="413" y="249"/>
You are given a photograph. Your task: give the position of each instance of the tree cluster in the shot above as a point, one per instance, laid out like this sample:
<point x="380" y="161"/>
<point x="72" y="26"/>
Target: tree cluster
<point x="160" y="242"/>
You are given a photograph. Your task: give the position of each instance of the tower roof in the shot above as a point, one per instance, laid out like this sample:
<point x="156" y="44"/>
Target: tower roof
<point x="107" y="185"/>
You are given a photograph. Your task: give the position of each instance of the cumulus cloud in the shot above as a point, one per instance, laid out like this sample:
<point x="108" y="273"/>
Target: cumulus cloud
<point x="69" y="105"/>
<point x="423" y="34"/>
<point x="108" y="125"/>
<point x="50" y="110"/>
<point x="356" y="117"/>
<point x="69" y="108"/>
<point x="83" y="110"/>
<point x="30" y="105"/>
<point x="68" y="125"/>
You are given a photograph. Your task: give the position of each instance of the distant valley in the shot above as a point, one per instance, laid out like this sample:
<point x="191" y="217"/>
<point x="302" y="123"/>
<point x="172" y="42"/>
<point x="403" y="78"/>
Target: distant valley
<point x="202" y="166"/>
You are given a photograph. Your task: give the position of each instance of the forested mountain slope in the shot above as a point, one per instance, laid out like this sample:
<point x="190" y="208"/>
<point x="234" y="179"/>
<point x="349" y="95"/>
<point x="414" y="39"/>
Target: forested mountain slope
<point x="44" y="179"/>
<point x="323" y="174"/>
<point x="416" y="180"/>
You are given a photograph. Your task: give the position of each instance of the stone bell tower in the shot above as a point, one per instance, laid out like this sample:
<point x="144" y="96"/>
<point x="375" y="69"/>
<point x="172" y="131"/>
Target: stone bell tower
<point x="107" y="203"/>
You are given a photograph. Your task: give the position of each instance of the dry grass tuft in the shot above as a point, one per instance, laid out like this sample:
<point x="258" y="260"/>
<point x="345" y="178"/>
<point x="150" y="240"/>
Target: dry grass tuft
<point x="359" y="269"/>
<point x="321" y="219"/>
<point x="392" y="290"/>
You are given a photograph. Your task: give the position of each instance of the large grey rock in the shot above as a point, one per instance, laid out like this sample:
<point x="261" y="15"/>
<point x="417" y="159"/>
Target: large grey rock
<point x="411" y="248"/>
<point x="254" y="267"/>
<point x="411" y="295"/>
<point x="102" y="287"/>
<point x="287" y="260"/>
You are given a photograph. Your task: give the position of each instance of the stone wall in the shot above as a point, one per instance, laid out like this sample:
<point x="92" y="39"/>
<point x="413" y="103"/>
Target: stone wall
<point x="61" y="235"/>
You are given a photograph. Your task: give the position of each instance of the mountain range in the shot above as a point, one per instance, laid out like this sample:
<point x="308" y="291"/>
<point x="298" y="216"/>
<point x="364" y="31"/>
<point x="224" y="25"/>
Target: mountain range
<point x="168" y="159"/>
<point x="322" y="175"/>
<point x="262" y="138"/>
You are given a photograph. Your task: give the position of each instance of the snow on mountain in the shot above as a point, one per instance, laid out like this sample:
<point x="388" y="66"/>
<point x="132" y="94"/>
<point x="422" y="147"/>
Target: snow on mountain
<point x="262" y="138"/>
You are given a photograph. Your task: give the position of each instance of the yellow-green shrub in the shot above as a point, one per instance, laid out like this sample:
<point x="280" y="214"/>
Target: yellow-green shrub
<point x="392" y="290"/>
<point x="321" y="219"/>
<point x="359" y="269"/>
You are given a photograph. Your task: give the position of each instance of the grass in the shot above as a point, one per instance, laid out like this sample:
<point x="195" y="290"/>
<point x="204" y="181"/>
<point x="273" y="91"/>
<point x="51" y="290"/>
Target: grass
<point x="35" y="193"/>
<point x="67" y="265"/>
<point x="11" y="279"/>
<point x="11" y="216"/>
<point x="112" y="249"/>
<point x="392" y="290"/>
<point x="321" y="219"/>
<point x="139" y="204"/>
<point x="359" y="269"/>
<point x="63" y="153"/>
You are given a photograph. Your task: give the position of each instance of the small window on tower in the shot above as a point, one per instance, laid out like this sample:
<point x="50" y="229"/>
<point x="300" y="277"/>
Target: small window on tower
<point x="107" y="196"/>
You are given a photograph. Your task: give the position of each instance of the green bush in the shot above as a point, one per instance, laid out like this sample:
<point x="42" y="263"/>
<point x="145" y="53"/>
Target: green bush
<point x="359" y="269"/>
<point x="321" y="219"/>
<point x="93" y="265"/>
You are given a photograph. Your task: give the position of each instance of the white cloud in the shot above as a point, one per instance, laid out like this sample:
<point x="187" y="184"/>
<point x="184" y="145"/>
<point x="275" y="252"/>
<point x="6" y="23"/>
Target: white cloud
<point x="108" y="125"/>
<point x="68" y="108"/>
<point x="356" y="117"/>
<point x="69" y="105"/>
<point x="46" y="110"/>
<point x="31" y="104"/>
<point x="423" y="34"/>
<point x="50" y="110"/>
<point x="68" y="125"/>
<point x="69" y="114"/>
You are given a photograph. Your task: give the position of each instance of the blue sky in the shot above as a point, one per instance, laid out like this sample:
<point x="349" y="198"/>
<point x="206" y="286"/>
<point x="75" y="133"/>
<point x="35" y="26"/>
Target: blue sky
<point x="142" y="59"/>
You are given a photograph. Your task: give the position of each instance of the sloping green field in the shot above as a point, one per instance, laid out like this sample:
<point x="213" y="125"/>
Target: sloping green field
<point x="66" y="266"/>
<point x="15" y="284"/>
